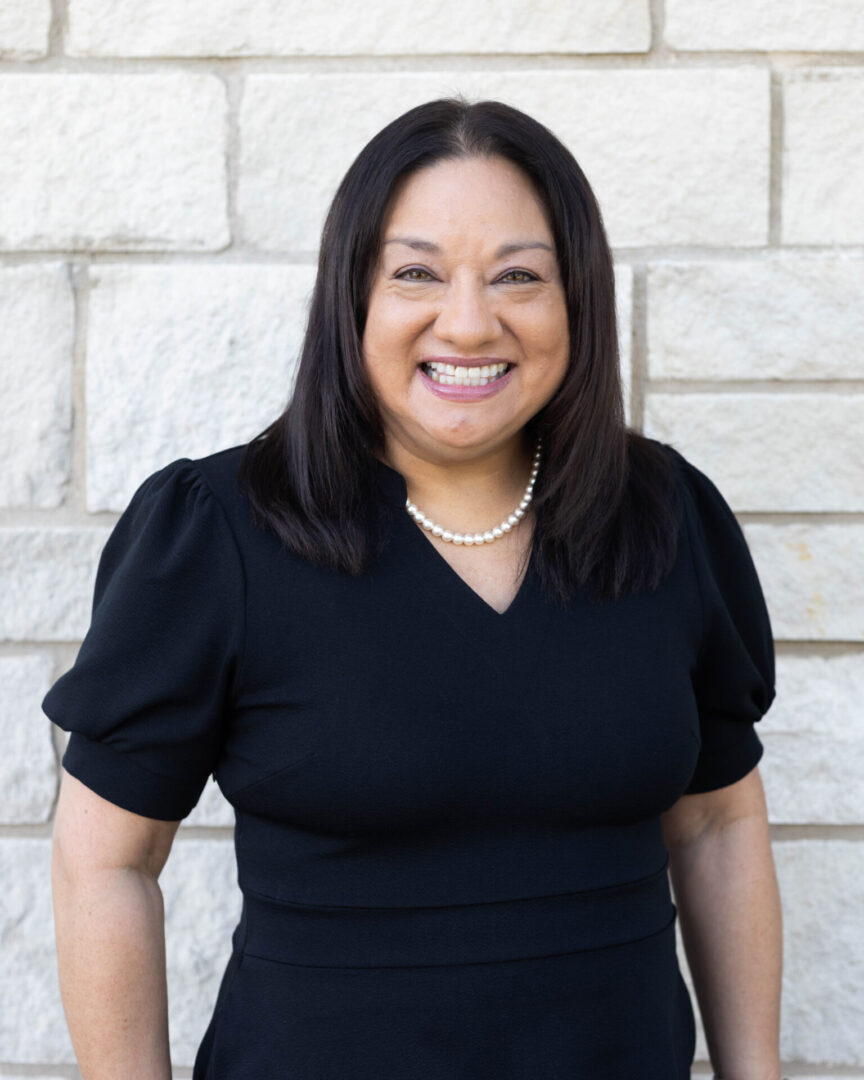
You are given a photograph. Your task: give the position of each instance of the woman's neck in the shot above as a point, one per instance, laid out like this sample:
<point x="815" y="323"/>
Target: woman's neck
<point x="467" y="494"/>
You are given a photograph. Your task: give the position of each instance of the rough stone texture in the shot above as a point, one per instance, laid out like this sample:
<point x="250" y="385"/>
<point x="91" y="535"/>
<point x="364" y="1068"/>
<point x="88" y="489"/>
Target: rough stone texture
<point x="779" y="318"/>
<point x="112" y="161"/>
<point x="624" y="310"/>
<point x="202" y="907"/>
<point x="814" y="741"/>
<point x="32" y="1025"/>
<point x="46" y="581"/>
<point x="769" y="451"/>
<point x="183" y="361"/>
<point x="28" y="776"/>
<point x="823" y="159"/>
<point x="822" y="888"/>
<point x="260" y="27"/>
<point x="675" y="157"/>
<point x="822" y="1009"/>
<point x="37" y="320"/>
<point x="799" y="25"/>
<point x="24" y="26"/>
<point x="212" y="809"/>
<point x="813" y="578"/>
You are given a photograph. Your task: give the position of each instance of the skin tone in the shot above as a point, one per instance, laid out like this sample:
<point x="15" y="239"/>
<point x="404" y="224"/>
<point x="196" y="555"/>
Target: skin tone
<point x="468" y="271"/>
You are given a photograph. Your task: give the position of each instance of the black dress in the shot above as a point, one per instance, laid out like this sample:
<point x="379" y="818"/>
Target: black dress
<point x="447" y="819"/>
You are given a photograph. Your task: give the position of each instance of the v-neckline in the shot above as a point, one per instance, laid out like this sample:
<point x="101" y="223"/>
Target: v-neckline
<point x="395" y="489"/>
<point x="473" y="595"/>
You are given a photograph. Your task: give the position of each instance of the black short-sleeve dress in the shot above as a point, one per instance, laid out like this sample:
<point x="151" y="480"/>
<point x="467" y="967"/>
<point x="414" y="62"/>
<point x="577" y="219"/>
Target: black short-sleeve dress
<point x="447" y="819"/>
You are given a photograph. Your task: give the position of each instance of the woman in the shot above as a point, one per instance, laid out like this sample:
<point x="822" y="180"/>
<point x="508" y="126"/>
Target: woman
<point x="475" y="664"/>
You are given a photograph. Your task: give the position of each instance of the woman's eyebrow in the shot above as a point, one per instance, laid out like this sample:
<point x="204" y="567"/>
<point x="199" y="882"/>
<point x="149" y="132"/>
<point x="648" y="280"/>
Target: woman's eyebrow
<point x="501" y="253"/>
<point x="418" y="245"/>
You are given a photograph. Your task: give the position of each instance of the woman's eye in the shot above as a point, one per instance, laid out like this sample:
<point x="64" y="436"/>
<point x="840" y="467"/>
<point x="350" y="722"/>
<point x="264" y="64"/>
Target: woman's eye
<point x="518" y="277"/>
<point x="414" y="273"/>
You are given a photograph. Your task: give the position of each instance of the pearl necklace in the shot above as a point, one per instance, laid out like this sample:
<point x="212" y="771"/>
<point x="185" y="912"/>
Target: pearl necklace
<point x="468" y="539"/>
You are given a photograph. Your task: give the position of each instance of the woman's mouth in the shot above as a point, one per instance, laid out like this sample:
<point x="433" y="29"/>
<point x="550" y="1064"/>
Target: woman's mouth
<point x="456" y="375"/>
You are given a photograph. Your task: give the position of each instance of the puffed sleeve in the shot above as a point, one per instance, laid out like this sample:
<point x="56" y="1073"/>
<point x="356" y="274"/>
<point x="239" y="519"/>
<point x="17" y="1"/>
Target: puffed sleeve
<point x="146" y="699"/>
<point x="733" y="680"/>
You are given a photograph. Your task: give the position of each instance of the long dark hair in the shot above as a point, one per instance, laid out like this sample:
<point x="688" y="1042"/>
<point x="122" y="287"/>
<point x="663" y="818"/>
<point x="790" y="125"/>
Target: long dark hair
<point x="606" y="503"/>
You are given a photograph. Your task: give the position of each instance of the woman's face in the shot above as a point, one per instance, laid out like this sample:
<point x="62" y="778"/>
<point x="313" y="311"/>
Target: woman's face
<point x="468" y="279"/>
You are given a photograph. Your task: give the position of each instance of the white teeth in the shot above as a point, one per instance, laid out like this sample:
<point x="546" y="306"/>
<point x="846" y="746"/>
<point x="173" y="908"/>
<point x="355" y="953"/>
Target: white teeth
<point x="450" y="375"/>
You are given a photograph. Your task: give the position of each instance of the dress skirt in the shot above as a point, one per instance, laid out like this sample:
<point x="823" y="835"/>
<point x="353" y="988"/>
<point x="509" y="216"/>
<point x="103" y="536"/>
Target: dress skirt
<point x="576" y="986"/>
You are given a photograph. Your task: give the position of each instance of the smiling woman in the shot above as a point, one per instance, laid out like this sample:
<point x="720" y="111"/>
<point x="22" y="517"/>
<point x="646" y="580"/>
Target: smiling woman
<point x="461" y="771"/>
<point x="479" y="322"/>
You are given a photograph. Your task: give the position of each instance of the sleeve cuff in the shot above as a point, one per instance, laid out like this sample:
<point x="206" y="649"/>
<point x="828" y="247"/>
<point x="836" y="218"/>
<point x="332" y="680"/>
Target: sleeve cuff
<point x="727" y="766"/>
<point x="120" y="780"/>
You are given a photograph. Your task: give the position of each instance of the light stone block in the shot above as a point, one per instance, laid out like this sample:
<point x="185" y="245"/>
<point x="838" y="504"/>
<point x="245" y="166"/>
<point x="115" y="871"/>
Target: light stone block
<point x="212" y="809"/>
<point x="24" y="26"/>
<point x="823" y="156"/>
<point x="184" y="361"/>
<point x="822" y="890"/>
<point x="32" y="1024"/>
<point x="814" y="741"/>
<point x="263" y="28"/>
<point x="36" y="338"/>
<point x="28" y="768"/>
<point x="624" y="312"/>
<point x="674" y="156"/>
<point x="113" y="162"/>
<point x="813" y="579"/>
<point x="202" y="907"/>
<point x="765" y="25"/>
<point x="778" y="318"/>
<point x="46" y="581"/>
<point x="768" y="451"/>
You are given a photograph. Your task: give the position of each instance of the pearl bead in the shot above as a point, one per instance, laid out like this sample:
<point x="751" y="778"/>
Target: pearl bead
<point x="471" y="539"/>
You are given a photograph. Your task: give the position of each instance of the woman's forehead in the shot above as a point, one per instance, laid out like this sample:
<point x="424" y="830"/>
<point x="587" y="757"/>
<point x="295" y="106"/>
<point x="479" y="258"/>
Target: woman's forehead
<point x="489" y="199"/>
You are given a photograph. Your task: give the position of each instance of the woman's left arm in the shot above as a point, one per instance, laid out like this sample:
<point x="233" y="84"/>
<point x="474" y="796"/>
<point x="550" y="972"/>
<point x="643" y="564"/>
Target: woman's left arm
<point x="728" y="901"/>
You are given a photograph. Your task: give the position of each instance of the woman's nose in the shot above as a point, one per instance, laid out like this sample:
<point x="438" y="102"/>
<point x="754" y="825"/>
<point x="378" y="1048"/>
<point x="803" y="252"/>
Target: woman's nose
<point x="466" y="317"/>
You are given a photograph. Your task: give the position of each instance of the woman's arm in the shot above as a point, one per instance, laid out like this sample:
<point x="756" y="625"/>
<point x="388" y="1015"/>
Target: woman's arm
<point x="728" y="902"/>
<point x="109" y="924"/>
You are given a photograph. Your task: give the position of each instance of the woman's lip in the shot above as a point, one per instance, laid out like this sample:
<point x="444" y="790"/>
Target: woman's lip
<point x="465" y="393"/>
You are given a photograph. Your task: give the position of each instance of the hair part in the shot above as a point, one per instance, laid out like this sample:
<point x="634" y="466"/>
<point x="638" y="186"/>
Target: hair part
<point x="606" y="502"/>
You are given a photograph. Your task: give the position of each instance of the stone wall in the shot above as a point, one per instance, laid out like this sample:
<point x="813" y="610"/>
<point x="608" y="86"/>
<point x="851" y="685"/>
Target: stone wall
<point x="164" y="169"/>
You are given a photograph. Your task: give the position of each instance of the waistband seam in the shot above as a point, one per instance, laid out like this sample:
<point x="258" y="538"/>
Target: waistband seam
<point x="603" y="890"/>
<point x="467" y="963"/>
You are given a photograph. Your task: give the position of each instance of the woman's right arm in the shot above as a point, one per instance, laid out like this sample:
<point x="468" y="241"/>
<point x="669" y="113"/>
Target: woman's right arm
<point x="110" y="930"/>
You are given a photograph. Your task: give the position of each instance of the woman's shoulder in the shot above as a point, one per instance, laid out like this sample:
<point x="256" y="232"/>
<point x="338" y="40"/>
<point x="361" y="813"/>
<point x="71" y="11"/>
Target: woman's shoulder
<point x="705" y="504"/>
<point x="202" y="486"/>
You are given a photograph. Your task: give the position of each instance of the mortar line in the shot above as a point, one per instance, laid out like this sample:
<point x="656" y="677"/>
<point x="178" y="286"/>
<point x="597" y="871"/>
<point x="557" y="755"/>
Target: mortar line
<point x="79" y="280"/>
<point x="639" y="346"/>
<point x="58" y="27"/>
<point x="775" y="175"/>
